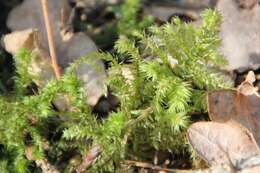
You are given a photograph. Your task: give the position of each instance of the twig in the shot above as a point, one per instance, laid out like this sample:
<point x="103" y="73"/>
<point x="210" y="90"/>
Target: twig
<point x="53" y="55"/>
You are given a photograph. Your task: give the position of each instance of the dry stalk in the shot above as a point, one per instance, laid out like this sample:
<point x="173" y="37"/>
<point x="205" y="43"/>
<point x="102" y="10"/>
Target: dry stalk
<point x="48" y="26"/>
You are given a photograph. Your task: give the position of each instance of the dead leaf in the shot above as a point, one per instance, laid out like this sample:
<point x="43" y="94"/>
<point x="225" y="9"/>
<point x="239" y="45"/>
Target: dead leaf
<point x="247" y="86"/>
<point x="230" y="104"/>
<point x="240" y="33"/>
<point x="251" y="78"/>
<point x="241" y="105"/>
<point x="222" y="143"/>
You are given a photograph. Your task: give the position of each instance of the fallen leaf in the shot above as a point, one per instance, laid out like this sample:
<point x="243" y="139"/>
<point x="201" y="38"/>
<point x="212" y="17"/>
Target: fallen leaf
<point x="251" y="78"/>
<point x="247" y="87"/>
<point x="222" y="143"/>
<point x="228" y="104"/>
<point x="241" y="105"/>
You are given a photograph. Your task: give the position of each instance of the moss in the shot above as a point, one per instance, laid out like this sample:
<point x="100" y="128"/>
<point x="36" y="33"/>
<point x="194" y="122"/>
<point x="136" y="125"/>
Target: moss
<point x="165" y="80"/>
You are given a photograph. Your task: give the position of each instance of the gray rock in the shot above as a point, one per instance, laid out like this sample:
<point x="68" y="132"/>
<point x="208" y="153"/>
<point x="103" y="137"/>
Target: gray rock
<point x="240" y="33"/>
<point x="29" y="15"/>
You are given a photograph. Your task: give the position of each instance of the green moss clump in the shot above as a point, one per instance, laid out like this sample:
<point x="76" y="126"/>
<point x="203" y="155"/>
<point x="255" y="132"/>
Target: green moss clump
<point x="169" y="70"/>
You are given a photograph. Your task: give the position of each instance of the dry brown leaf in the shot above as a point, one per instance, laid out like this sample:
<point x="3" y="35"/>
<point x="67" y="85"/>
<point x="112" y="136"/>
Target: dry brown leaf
<point x="241" y="105"/>
<point x="230" y="104"/>
<point x="247" y="87"/>
<point x="251" y="78"/>
<point x="222" y="143"/>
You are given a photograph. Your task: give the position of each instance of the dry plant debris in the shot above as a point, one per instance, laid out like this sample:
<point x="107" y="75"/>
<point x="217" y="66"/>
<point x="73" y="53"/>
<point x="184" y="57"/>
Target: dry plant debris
<point x="242" y="106"/>
<point x="233" y="137"/>
<point x="28" y="15"/>
<point x="222" y="143"/>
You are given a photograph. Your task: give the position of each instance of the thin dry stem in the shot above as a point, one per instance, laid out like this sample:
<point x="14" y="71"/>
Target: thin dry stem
<point x="50" y="39"/>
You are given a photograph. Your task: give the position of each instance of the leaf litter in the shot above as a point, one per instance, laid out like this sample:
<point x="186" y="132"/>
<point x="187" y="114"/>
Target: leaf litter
<point x="232" y="137"/>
